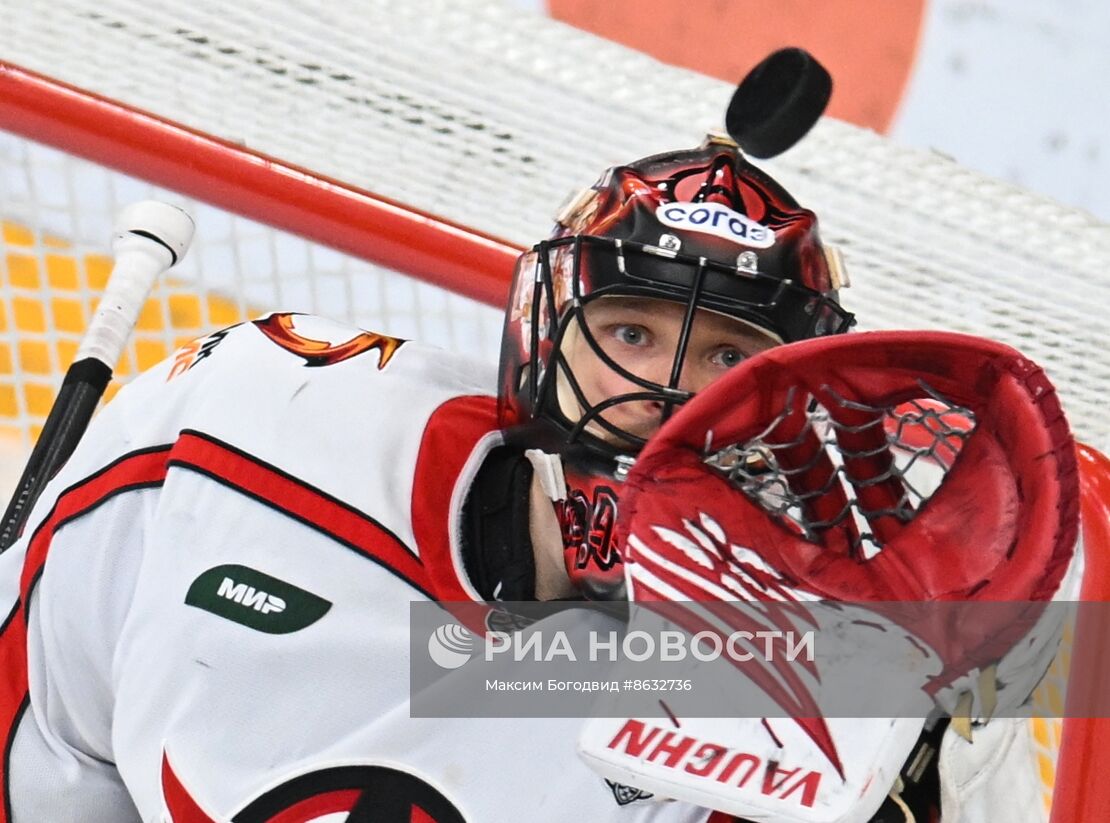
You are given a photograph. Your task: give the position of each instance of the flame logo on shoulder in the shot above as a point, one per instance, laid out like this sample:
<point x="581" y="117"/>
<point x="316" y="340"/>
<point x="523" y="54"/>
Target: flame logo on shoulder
<point x="280" y="328"/>
<point x="716" y="219"/>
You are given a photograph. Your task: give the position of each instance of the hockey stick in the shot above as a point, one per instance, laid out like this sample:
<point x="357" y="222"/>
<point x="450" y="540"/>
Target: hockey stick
<point x="149" y="238"/>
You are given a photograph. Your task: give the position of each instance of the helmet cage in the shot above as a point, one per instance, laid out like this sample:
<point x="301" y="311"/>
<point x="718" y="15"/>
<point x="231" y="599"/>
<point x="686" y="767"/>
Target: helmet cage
<point x="603" y="267"/>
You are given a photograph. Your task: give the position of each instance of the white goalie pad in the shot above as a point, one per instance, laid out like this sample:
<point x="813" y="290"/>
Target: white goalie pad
<point x="755" y="768"/>
<point x="773" y="768"/>
<point x="785" y="751"/>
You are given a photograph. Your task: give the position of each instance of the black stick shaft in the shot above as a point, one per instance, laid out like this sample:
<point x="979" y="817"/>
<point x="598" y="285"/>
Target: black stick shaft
<point x="81" y="390"/>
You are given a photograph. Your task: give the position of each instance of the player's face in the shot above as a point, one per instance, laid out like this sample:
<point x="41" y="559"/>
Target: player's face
<point x="642" y="335"/>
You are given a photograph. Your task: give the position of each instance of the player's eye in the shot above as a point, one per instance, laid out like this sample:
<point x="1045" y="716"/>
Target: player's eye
<point x="631" y="335"/>
<point x="727" y="357"/>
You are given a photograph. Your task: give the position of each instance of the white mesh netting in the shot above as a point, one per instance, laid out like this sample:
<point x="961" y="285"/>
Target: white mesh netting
<point x="238" y="261"/>
<point x="489" y="116"/>
<point x="56" y="217"/>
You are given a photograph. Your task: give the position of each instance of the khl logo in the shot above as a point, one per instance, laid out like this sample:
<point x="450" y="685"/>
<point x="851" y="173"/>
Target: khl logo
<point x="450" y="646"/>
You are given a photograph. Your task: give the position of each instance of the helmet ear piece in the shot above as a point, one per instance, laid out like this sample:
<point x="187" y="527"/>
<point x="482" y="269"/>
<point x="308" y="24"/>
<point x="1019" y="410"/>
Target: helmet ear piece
<point x="838" y="272"/>
<point x="578" y="209"/>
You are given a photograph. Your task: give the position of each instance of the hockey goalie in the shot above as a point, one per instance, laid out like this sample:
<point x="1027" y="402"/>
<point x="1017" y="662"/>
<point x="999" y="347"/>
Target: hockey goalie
<point x="205" y="617"/>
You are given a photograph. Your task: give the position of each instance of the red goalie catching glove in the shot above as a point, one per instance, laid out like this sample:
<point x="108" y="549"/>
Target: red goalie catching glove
<point x="813" y="432"/>
<point x="893" y="469"/>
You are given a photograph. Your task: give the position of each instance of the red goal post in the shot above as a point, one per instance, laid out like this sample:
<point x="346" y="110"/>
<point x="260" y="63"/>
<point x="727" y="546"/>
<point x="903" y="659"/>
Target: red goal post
<point x="254" y="185"/>
<point x="485" y="118"/>
<point x="1081" y="791"/>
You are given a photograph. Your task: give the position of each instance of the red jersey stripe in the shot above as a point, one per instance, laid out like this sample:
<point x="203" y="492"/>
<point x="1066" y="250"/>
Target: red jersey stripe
<point x="453" y="431"/>
<point x="137" y="470"/>
<point x="297" y="499"/>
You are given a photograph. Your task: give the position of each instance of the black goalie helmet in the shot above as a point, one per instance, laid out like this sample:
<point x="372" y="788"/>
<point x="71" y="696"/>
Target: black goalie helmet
<point x="701" y="228"/>
<point x="671" y="234"/>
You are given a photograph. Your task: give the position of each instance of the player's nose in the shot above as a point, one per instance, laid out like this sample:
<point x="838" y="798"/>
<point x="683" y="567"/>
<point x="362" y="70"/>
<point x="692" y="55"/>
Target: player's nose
<point x="659" y="369"/>
<point x="689" y="379"/>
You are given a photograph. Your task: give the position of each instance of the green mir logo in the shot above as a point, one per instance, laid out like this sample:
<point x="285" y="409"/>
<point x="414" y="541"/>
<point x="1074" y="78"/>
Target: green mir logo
<point x="256" y="600"/>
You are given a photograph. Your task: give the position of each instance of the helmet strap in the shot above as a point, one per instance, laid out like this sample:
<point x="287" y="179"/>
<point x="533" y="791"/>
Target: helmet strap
<point x="549" y="469"/>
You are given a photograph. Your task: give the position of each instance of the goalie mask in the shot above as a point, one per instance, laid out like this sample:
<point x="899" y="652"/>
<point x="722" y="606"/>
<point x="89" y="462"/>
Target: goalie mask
<point x="700" y="229"/>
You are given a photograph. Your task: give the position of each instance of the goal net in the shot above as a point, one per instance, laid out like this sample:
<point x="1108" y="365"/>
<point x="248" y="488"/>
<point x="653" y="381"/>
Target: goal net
<point x="317" y="143"/>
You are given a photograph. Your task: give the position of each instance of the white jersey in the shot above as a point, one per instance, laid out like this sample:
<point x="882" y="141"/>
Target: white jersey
<point x="207" y="616"/>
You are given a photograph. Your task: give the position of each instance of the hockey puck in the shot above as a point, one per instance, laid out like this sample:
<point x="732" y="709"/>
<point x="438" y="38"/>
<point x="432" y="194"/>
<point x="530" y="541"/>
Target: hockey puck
<point x="778" y="102"/>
